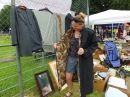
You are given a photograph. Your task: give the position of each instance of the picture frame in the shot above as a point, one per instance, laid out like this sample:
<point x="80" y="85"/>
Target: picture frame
<point x="53" y="69"/>
<point x="44" y="83"/>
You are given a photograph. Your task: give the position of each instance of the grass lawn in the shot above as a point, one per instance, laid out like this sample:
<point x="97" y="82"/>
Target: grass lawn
<point x="29" y="66"/>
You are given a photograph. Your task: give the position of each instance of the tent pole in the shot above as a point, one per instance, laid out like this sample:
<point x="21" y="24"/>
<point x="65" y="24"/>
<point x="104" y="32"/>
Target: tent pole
<point x="93" y="26"/>
<point x="112" y="32"/>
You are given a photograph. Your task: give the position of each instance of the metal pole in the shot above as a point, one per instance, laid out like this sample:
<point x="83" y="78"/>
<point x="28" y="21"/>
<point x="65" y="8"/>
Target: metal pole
<point x="12" y="2"/>
<point x="18" y="63"/>
<point x="88" y="13"/>
<point x="6" y="45"/>
<point x="112" y="32"/>
<point x="43" y="54"/>
<point x="19" y="72"/>
<point x="43" y="58"/>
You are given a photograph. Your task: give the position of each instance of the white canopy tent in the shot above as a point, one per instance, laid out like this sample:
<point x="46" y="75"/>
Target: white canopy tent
<point x="111" y="21"/>
<point x="109" y="17"/>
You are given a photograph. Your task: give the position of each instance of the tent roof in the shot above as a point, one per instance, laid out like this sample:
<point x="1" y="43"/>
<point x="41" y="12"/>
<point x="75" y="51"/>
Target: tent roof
<point x="110" y="16"/>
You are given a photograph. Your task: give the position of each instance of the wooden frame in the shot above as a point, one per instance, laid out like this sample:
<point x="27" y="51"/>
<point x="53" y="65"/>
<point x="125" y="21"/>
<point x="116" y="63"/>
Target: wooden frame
<point x="44" y="83"/>
<point x="53" y="69"/>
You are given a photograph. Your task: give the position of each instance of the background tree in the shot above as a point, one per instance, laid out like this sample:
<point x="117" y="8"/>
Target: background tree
<point x="75" y="5"/>
<point x="79" y="6"/>
<point x="97" y="6"/>
<point x="5" y="18"/>
<point x="120" y="4"/>
<point x="94" y="5"/>
<point x="100" y="5"/>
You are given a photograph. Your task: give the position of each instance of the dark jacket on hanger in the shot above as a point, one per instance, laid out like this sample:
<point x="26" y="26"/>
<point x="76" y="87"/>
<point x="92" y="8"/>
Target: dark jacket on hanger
<point x="25" y="31"/>
<point x="68" y="23"/>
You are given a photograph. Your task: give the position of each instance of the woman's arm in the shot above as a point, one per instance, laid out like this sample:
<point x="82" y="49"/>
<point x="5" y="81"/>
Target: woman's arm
<point x="65" y="38"/>
<point x="55" y="44"/>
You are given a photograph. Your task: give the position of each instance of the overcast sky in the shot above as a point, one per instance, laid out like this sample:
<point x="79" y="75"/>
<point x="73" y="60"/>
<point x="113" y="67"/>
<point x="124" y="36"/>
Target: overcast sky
<point x="4" y="2"/>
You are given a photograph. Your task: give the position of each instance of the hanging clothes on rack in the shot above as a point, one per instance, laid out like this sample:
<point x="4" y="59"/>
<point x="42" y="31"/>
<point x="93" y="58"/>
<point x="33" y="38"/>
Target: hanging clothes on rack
<point x="25" y="31"/>
<point x="45" y="9"/>
<point x="48" y="23"/>
<point x="68" y="23"/>
<point x="120" y="31"/>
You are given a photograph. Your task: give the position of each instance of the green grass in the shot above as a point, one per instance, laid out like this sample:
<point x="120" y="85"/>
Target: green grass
<point x="29" y="68"/>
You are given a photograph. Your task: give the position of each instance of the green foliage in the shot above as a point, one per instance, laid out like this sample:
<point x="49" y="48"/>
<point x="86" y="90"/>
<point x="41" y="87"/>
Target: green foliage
<point x="97" y="6"/>
<point x="102" y="5"/>
<point x="5" y="18"/>
<point x="120" y="4"/>
<point x="79" y="6"/>
<point x="75" y="5"/>
<point x="92" y="8"/>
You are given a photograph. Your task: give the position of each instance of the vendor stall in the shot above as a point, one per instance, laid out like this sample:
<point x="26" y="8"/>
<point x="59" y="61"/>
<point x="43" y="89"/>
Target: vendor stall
<point x="110" y="23"/>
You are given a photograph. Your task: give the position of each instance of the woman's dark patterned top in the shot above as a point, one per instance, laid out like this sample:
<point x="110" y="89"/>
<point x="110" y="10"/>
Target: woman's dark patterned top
<point x="74" y="46"/>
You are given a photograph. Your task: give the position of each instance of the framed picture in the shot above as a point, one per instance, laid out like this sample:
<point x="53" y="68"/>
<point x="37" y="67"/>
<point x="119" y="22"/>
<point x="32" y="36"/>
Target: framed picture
<point x="44" y="83"/>
<point x="53" y="69"/>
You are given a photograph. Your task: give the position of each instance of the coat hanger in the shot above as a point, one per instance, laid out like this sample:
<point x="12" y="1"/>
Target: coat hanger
<point x="46" y="10"/>
<point x="22" y="7"/>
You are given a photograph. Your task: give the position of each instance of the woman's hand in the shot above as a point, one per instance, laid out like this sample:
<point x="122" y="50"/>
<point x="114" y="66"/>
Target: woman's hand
<point x="55" y="44"/>
<point x="80" y="51"/>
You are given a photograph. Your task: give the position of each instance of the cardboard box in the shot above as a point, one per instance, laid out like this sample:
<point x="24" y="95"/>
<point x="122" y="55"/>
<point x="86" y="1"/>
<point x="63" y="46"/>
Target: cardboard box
<point x="100" y="68"/>
<point x="100" y="85"/>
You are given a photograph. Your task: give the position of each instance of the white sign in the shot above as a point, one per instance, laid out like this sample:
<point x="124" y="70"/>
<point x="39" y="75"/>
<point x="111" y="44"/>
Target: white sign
<point x="55" y="6"/>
